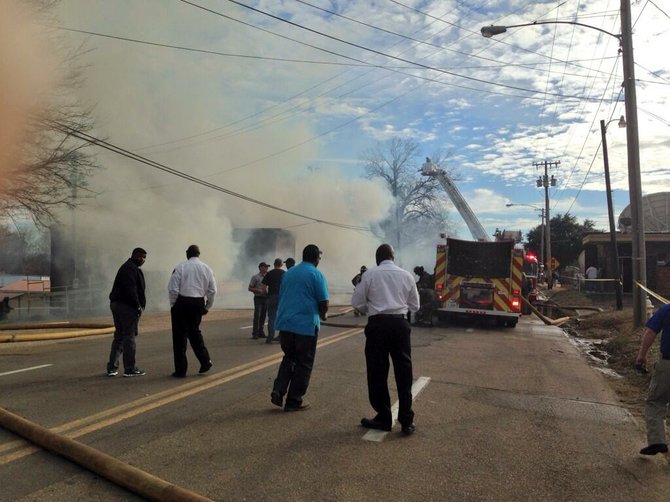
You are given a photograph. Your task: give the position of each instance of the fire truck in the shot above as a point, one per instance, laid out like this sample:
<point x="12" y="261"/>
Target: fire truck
<point x="477" y="278"/>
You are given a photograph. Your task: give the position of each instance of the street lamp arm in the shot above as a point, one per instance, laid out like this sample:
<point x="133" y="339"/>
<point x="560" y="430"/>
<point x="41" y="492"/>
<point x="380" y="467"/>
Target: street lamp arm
<point x="621" y="121"/>
<point x="511" y="204"/>
<point x="489" y="31"/>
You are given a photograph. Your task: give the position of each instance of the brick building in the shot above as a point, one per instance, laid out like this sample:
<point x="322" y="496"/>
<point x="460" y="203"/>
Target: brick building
<point x="598" y="249"/>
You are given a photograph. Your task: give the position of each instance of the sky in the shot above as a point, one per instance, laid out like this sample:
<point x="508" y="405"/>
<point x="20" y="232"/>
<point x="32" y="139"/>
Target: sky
<point x="279" y="100"/>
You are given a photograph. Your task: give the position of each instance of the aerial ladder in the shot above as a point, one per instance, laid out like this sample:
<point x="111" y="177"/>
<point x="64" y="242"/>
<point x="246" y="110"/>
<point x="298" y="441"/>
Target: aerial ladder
<point x="476" y="228"/>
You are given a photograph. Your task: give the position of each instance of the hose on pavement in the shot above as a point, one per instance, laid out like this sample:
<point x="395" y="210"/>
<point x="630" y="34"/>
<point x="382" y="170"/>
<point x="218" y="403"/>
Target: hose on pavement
<point x="136" y="480"/>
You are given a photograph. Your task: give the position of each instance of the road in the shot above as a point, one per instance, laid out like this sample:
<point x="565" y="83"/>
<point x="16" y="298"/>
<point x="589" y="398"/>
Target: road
<point x="505" y="414"/>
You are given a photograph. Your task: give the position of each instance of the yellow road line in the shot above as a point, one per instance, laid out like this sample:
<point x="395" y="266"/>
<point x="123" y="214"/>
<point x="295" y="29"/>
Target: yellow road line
<point x="92" y="423"/>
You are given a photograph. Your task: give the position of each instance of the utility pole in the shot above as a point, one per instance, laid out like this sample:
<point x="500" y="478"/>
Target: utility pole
<point x="74" y="182"/>
<point x="546" y="182"/>
<point x="634" y="179"/>
<point x="542" y="256"/>
<point x="610" y="215"/>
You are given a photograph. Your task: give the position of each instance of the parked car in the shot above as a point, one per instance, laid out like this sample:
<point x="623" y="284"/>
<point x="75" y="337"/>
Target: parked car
<point x="571" y="277"/>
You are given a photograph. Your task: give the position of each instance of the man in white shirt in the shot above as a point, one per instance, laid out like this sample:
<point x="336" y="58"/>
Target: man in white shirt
<point x="591" y="273"/>
<point x="387" y="293"/>
<point x="191" y="290"/>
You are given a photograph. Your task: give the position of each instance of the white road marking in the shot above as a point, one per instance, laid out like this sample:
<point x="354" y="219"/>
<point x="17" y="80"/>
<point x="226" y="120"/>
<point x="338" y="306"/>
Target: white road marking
<point x="377" y="435"/>
<point x="25" y="369"/>
<point x="248" y="327"/>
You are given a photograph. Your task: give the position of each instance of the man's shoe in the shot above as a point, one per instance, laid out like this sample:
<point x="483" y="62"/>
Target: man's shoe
<point x="205" y="367"/>
<point x="134" y="372"/>
<point x="270" y="340"/>
<point x="408" y="430"/>
<point x="111" y="373"/>
<point x="303" y="406"/>
<point x="276" y="398"/>
<point x="653" y="449"/>
<point x="179" y="375"/>
<point x="371" y="423"/>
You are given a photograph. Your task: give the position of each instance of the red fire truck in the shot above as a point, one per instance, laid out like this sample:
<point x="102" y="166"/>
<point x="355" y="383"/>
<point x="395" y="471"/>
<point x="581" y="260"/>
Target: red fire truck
<point x="474" y="278"/>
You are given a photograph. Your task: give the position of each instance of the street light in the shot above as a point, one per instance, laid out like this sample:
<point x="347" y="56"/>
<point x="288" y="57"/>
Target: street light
<point x="610" y="210"/>
<point x="541" y="210"/>
<point x="633" y="146"/>
<point x="490" y="31"/>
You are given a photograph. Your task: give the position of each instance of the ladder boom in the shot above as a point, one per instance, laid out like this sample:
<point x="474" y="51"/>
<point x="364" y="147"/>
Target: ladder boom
<point x="475" y="227"/>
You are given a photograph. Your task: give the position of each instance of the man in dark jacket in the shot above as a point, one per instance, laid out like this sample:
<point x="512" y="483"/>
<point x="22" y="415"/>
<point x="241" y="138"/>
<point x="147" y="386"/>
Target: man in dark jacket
<point x="127" y="302"/>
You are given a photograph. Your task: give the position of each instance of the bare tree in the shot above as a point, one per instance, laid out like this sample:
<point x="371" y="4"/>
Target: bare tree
<point x="418" y="212"/>
<point x="50" y="164"/>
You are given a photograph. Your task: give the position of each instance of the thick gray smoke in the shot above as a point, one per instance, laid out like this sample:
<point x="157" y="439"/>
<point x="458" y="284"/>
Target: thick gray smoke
<point x="145" y="101"/>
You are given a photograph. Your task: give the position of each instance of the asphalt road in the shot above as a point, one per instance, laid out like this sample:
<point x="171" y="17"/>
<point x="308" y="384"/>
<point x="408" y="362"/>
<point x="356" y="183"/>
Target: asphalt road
<point x="503" y="414"/>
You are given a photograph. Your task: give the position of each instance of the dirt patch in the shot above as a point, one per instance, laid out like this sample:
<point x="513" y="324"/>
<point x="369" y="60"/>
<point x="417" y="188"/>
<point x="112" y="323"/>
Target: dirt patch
<point x="617" y="339"/>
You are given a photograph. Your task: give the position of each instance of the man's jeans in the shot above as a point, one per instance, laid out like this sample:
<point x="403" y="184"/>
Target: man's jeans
<point x="260" y="310"/>
<point x="126" y="319"/>
<point x="272" y="304"/>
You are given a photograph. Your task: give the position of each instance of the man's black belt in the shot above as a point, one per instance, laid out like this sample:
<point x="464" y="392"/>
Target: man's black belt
<point x="388" y="316"/>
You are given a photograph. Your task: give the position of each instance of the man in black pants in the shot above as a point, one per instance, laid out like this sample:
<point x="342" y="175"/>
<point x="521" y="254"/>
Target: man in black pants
<point x="127" y="300"/>
<point x="272" y="282"/>
<point x="191" y="290"/>
<point x="303" y="304"/>
<point x="387" y="293"/>
<point x="260" y="300"/>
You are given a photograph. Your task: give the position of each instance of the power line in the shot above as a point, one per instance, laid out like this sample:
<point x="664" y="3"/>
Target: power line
<point x="206" y="51"/>
<point x="497" y="41"/>
<point x="574" y="167"/>
<point x="662" y="11"/>
<point x="163" y="167"/>
<point x="363" y="63"/>
<point x="374" y="51"/>
<point x="497" y="62"/>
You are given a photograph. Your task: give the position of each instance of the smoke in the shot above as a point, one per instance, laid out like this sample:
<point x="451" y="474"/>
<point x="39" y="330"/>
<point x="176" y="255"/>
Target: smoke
<point x="166" y="220"/>
<point x="136" y="205"/>
<point x="27" y="73"/>
<point x="145" y="100"/>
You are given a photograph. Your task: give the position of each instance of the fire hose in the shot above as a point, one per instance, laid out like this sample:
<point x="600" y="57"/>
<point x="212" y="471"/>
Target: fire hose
<point x="73" y="330"/>
<point x="544" y="318"/>
<point x="129" y="477"/>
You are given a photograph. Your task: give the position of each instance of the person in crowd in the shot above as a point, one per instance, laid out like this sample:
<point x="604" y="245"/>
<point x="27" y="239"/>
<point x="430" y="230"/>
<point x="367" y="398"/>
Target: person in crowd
<point x="272" y="281"/>
<point x="290" y="262"/>
<point x="127" y="301"/>
<point x="355" y="281"/>
<point x="260" y="300"/>
<point x="658" y="395"/>
<point x="591" y="273"/>
<point x="191" y="291"/>
<point x="303" y="303"/>
<point x="427" y="298"/>
<point x="425" y="280"/>
<point x="388" y="293"/>
<point x="5" y="308"/>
